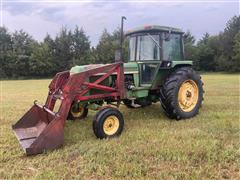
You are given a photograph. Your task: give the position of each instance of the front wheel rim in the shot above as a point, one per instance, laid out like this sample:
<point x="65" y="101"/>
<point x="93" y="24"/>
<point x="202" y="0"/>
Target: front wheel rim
<point x="111" y="125"/>
<point x="76" y="113"/>
<point x="188" y="95"/>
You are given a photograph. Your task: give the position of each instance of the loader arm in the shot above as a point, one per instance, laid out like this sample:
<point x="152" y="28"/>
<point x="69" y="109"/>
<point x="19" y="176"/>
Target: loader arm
<point x="42" y="129"/>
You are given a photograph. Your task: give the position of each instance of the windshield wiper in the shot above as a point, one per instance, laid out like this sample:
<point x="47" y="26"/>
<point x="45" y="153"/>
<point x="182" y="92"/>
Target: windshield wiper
<point x="154" y="40"/>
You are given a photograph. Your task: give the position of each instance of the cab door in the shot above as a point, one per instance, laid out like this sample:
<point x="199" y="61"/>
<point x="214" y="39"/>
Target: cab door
<point x="148" y="57"/>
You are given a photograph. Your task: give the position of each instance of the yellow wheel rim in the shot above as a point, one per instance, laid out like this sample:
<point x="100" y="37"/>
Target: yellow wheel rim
<point x="77" y="112"/>
<point x="188" y="95"/>
<point x="111" y="125"/>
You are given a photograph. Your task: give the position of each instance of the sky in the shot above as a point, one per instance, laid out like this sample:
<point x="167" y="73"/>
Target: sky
<point x="39" y="17"/>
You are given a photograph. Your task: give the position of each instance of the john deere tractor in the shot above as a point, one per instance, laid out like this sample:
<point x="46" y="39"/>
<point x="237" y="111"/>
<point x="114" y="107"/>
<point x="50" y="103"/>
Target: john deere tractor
<point x="156" y="71"/>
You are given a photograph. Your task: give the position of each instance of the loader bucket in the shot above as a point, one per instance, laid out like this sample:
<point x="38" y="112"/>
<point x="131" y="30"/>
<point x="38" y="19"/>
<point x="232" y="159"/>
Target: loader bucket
<point x="39" y="129"/>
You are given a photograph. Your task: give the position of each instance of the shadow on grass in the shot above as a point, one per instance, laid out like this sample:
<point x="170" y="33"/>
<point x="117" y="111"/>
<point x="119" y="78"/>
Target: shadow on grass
<point x="81" y="130"/>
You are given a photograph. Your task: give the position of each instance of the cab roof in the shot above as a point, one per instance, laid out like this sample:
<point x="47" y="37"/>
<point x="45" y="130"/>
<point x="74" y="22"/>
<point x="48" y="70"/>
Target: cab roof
<point x="153" y="28"/>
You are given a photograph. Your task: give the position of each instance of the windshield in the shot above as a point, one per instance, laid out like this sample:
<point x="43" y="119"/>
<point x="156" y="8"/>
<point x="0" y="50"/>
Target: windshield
<point x="147" y="48"/>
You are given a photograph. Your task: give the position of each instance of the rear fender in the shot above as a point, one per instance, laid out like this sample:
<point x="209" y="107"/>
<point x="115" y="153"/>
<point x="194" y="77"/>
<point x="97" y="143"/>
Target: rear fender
<point x="176" y="64"/>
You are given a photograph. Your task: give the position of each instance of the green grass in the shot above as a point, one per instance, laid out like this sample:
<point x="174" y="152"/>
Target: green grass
<point x="151" y="146"/>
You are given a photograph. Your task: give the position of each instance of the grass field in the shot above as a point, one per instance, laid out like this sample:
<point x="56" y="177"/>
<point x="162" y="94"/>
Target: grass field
<point x="151" y="146"/>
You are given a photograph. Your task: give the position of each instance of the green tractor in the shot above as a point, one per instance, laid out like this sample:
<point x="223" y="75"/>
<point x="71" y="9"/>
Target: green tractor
<point x="155" y="71"/>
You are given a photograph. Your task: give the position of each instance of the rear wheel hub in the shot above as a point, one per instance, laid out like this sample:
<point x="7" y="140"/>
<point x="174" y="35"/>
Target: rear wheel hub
<point x="188" y="95"/>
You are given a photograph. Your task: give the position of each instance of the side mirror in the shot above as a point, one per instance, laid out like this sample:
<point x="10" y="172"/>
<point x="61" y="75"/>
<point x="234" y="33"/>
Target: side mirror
<point x="118" y="55"/>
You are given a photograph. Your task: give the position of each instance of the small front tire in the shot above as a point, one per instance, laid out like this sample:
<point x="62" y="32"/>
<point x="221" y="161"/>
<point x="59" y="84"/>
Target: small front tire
<point x="108" y="123"/>
<point x="77" y="111"/>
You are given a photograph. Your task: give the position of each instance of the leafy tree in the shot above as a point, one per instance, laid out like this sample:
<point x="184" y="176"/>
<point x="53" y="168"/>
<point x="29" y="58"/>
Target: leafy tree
<point x="51" y="51"/>
<point x="236" y="54"/>
<point x="40" y="63"/>
<point x="5" y="52"/>
<point x="63" y="50"/>
<point x="205" y="54"/>
<point x="93" y="55"/>
<point x="107" y="46"/>
<point x="226" y="60"/>
<point x="188" y="38"/>
<point x="5" y="40"/>
<point x="236" y="47"/>
<point x="190" y="49"/>
<point x="22" y="44"/>
<point x="80" y="47"/>
<point x="21" y="55"/>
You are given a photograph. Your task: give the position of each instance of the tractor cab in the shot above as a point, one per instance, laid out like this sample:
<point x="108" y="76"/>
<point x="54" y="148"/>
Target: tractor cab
<point x="152" y="48"/>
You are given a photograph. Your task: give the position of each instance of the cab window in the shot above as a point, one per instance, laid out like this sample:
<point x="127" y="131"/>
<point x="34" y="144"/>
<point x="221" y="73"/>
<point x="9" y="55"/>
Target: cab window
<point x="132" y="47"/>
<point x="147" y="48"/>
<point x="171" y="45"/>
<point x="148" y="71"/>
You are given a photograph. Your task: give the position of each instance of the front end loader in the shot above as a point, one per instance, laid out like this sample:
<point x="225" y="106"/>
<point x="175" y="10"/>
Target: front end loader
<point x="155" y="71"/>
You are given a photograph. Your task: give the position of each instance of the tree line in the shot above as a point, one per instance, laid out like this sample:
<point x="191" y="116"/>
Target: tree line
<point x="216" y="53"/>
<point x="22" y="56"/>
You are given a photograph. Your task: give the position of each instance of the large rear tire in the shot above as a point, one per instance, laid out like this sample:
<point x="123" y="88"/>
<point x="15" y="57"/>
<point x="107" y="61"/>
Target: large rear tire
<point x="181" y="95"/>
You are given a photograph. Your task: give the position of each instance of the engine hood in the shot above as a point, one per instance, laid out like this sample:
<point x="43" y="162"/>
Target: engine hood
<point x="83" y="68"/>
<point x="131" y="67"/>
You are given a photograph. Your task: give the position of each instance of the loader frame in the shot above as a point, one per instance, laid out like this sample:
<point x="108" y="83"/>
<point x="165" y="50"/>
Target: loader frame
<point x="42" y="129"/>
